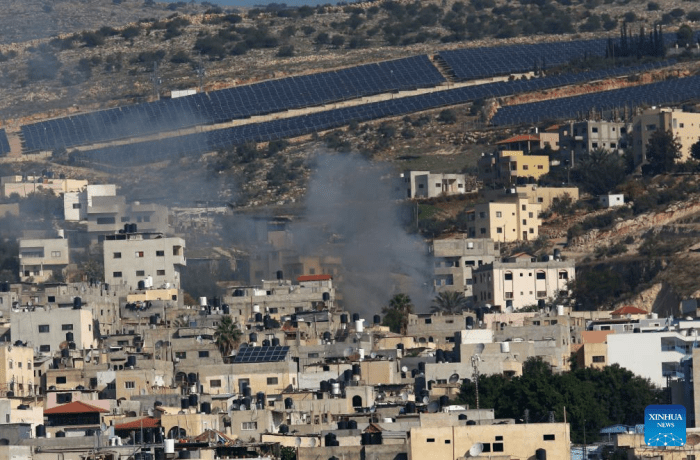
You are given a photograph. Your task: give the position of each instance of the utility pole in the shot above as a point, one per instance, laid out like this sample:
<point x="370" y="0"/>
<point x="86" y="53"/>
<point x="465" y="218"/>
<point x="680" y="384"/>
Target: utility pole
<point x="156" y="81"/>
<point x="475" y="375"/>
<point x="200" y="73"/>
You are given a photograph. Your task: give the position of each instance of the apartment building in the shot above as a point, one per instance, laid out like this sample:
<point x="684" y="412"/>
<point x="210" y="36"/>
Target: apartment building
<point x="76" y="204"/>
<point x="45" y="328"/>
<point x="16" y="370"/>
<point x="24" y="186"/>
<point x="511" y="219"/>
<point x="148" y="257"/>
<point x="684" y="126"/>
<point x="511" y="166"/>
<point x="424" y="184"/>
<point x="579" y="139"/>
<point x="108" y="214"/>
<point x="544" y="196"/>
<point x="522" y="280"/>
<point x="455" y="257"/>
<point x="40" y="259"/>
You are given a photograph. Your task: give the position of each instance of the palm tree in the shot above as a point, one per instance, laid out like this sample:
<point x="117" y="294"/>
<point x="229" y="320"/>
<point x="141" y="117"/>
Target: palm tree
<point x="449" y="302"/>
<point x="396" y="314"/>
<point x="227" y="336"/>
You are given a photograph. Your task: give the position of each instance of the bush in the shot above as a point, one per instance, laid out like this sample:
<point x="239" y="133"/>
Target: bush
<point x="322" y="39"/>
<point x="286" y="51"/>
<point x="653" y="6"/>
<point x="630" y="16"/>
<point x="92" y="39"/>
<point x="337" y="41"/>
<point x="693" y="16"/>
<point x="447" y="116"/>
<point x="211" y="46"/>
<point x="130" y="32"/>
<point x="308" y="30"/>
<point x="180" y="57"/>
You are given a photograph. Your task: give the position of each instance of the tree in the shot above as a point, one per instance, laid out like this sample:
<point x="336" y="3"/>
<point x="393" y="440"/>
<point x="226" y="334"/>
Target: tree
<point x="695" y="150"/>
<point x="662" y="152"/>
<point x="227" y="336"/>
<point x="599" y="172"/>
<point x="684" y="36"/>
<point x="396" y="314"/>
<point x="449" y="302"/>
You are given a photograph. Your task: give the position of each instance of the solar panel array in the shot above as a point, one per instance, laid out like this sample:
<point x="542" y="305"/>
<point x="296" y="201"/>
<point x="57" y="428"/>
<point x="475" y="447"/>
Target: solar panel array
<point x="139" y="153"/>
<point x="261" y="354"/>
<point x="4" y="143"/>
<point x="233" y="103"/>
<point x="665" y="92"/>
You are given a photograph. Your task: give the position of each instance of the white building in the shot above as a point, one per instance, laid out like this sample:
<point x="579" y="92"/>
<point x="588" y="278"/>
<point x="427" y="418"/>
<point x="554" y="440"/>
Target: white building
<point x="424" y="184"/>
<point x="46" y="329"/>
<point x="455" y="257"/>
<point x="611" y="200"/>
<point x="522" y="280"/>
<point x="76" y="204"/>
<point x="133" y="257"/>
<point x="39" y="259"/>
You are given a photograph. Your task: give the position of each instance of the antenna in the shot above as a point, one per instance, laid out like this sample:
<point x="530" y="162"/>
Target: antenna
<point x="475" y="365"/>
<point x="201" y="73"/>
<point x="476" y="450"/>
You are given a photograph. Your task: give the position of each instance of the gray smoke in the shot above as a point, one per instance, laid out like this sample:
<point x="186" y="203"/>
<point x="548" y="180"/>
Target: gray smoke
<point x="353" y="201"/>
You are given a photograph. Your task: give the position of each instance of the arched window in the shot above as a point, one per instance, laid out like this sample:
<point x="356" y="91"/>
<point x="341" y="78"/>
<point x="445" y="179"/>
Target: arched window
<point x="357" y="401"/>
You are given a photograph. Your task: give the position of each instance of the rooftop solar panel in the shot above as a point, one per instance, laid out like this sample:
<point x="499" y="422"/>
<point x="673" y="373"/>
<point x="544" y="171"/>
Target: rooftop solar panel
<point x="261" y="354"/>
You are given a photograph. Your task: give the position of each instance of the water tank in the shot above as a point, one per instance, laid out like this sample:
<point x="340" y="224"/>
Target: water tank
<point x="356" y="369"/>
<point x="283" y="429"/>
<point x="184" y="403"/>
<point x="359" y="327"/>
<point x="205" y="408"/>
<point x="355" y="316"/>
<point x="541" y="304"/>
<point x="439" y="356"/>
<point x="557" y="254"/>
<point x="256" y="308"/>
<point x="366" y="439"/>
<point x="133" y="228"/>
<point x="131" y="361"/>
<point x="327" y="336"/>
<point x="421" y="366"/>
<point x="377" y="319"/>
<point x="410" y="407"/>
<point x="5" y="287"/>
<point x="191" y="378"/>
<point x="69" y="336"/>
<point x="342" y="425"/>
<point x="352" y="424"/>
<point x="258" y="317"/>
<point x="265" y="343"/>
<point x="344" y="318"/>
<point x="280" y="275"/>
<point x="560" y="310"/>
<point x="288" y="403"/>
<point x="326" y="296"/>
<point x="505" y="347"/>
<point x="471" y="422"/>
<point x="11" y="394"/>
<point x="325" y="386"/>
<point x="462" y="417"/>
<point x="40" y="431"/>
<point x="444" y="401"/>
<point x="347" y="375"/>
<point x="71" y="345"/>
<point x="194" y="400"/>
<point x="246" y="403"/>
<point x="275" y="342"/>
<point x="153" y="320"/>
<point x="330" y="440"/>
<point x="65" y="353"/>
<point x="253" y="337"/>
<point x="247" y="392"/>
<point x="541" y="454"/>
<point x="335" y="389"/>
<point x="169" y="446"/>
<point x="399" y="346"/>
<point x="77" y="303"/>
<point x="60" y="434"/>
<point x="184" y="454"/>
<point x="141" y="285"/>
<point x="226" y="309"/>
<point x="376" y="438"/>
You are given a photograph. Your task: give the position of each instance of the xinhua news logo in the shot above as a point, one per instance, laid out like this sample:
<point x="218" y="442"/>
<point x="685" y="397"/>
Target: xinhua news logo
<point x="664" y="425"/>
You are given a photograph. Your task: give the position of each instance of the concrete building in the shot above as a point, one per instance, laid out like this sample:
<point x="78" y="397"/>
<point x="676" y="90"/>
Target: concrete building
<point x="522" y="280"/>
<point x="511" y="219"/>
<point x="528" y="143"/>
<point x="16" y="370"/>
<point x="438" y="328"/>
<point x="45" y="329"/>
<point x="26" y="185"/>
<point x="40" y="259"/>
<point x="509" y="167"/>
<point x="133" y="257"/>
<point x="455" y="256"/>
<point x="76" y="204"/>
<point x="108" y="214"/>
<point x="684" y="126"/>
<point x="611" y="200"/>
<point x="544" y="196"/>
<point x="579" y="139"/>
<point x="424" y="184"/>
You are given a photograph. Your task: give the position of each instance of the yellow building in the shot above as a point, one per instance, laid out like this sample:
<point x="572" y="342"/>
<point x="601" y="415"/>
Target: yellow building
<point x="543" y="196"/>
<point x="510" y="220"/>
<point x="506" y="166"/>
<point x="16" y="370"/>
<point x="684" y="126"/>
<point x="494" y="441"/>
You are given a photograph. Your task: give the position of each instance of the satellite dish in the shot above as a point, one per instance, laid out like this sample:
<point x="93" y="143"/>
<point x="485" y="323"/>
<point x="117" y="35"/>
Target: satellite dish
<point x="426" y="399"/>
<point x="297" y="442"/>
<point x="312" y="441"/>
<point x="404" y="397"/>
<point x="454" y="378"/>
<point x="476" y="449"/>
<point x="433" y="407"/>
<point x="159" y="344"/>
<point x="372" y="409"/>
<point x="150" y="412"/>
<point x="87" y="358"/>
<point x="199" y="340"/>
<point x="404" y="369"/>
<point x="380" y="396"/>
<point x="479" y="348"/>
<point x="103" y="427"/>
<point x="373" y="355"/>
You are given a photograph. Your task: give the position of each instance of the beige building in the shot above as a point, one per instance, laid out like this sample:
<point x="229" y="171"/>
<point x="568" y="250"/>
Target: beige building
<point x="454" y="257"/>
<point x="544" y="196"/>
<point x="501" y="441"/>
<point x="579" y="139"/>
<point x="523" y="281"/>
<point x="40" y="259"/>
<point x="424" y="184"/>
<point x="507" y="166"/>
<point x="511" y="219"/>
<point x="16" y="370"/>
<point x="148" y="257"/>
<point x="25" y="186"/>
<point x="47" y="328"/>
<point x="683" y="125"/>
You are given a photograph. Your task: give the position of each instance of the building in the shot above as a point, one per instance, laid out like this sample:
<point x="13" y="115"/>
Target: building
<point x="684" y="126"/>
<point x="76" y="204"/>
<point x="133" y="257"/>
<point x="16" y="370"/>
<point x="45" y="328"/>
<point x="510" y="219"/>
<point x="511" y="166"/>
<point x="454" y="258"/>
<point x="108" y="214"/>
<point x="529" y="143"/>
<point x="74" y="419"/>
<point x="424" y="184"/>
<point x="42" y="259"/>
<point x="26" y="185"/>
<point x="544" y="196"/>
<point x="611" y="200"/>
<point x="579" y="139"/>
<point x="522" y="280"/>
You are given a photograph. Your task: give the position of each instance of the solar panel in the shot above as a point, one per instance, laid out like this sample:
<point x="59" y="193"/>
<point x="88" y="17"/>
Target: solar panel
<point x="261" y="354"/>
<point x="4" y="143"/>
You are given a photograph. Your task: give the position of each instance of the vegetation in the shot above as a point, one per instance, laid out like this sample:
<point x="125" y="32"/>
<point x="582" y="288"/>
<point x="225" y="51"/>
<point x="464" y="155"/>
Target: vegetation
<point x="396" y="313"/>
<point x="600" y="172"/>
<point x="593" y="398"/>
<point x="449" y="302"/>
<point x="227" y="336"/>
<point x="662" y="152"/>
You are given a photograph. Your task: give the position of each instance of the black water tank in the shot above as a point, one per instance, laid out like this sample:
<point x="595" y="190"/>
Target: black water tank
<point x="275" y="342"/>
<point x="356" y="369"/>
<point x="288" y="403"/>
<point x="265" y="343"/>
<point x="471" y="422"/>
<point x="5" y="287"/>
<point x="65" y="353"/>
<point x="343" y="318"/>
<point x="462" y="417"/>
<point x="541" y="304"/>
<point x="283" y="429"/>
<point x="192" y="378"/>
<point x="153" y="319"/>
<point x="11" y="394"/>
<point x="247" y="392"/>
<point x="69" y="336"/>
<point x="226" y="309"/>
<point x="157" y="403"/>
<point x="141" y="285"/>
<point x="470" y="322"/>
<point x="260" y="397"/>
<point x="444" y="401"/>
<point x="421" y="366"/>
<point x="134" y="228"/>
<point x="205" y="408"/>
<point x="258" y="317"/>
<point x="439" y="356"/>
<point x="40" y="431"/>
<point x="280" y="275"/>
<point x="330" y="439"/>
<point x="247" y="402"/>
<point x="410" y="407"/>
<point x="355" y="317"/>
<point x="131" y="361"/>
<point x="377" y="438"/>
<point x="90" y="432"/>
<point x="352" y="424"/>
<point x="377" y="319"/>
<point x="326" y="297"/>
<point x="366" y="439"/>
<point x="185" y="454"/>
<point x="60" y="434"/>
<point x="194" y="400"/>
<point x="347" y="375"/>
<point x="253" y="337"/>
<point x="325" y="386"/>
<point x="342" y="425"/>
<point x="541" y="454"/>
<point x="327" y="336"/>
<point x="414" y="372"/>
<point x="77" y="303"/>
<point x="71" y="345"/>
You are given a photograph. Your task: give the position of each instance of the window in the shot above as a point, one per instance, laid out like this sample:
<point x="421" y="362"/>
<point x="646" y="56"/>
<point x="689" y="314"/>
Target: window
<point x="63" y="398"/>
<point x="139" y="254"/>
<point x="10" y="364"/>
<point x="599" y="359"/>
<point x="482" y="230"/>
<point x="420" y="185"/>
<point x="524" y="221"/>
<point x="563" y="275"/>
<point x="651" y="127"/>
<point x="66" y="327"/>
<point x="117" y="255"/>
<point x="61" y="379"/>
<point x="509" y="276"/>
<point x="215" y="384"/>
<point x="526" y="167"/>
<point x="482" y="215"/>
<point x="540" y="199"/>
<point x="160" y="253"/>
<point x="76" y="205"/>
<point x="140" y="273"/>
<point x="129" y="385"/>
<point x="428" y="321"/>
<point x="55" y="253"/>
<point x="531" y="215"/>
<point x="43" y="328"/>
<point x="541" y="275"/>
<point x="523" y="207"/>
<point x="160" y="272"/>
<point x="51" y="299"/>
<point x="447" y="441"/>
<point x="499" y="230"/>
<point x="105" y="220"/>
<point x="272" y="380"/>
<point x="594" y="130"/>
<point x="499" y="438"/>
<point x="249" y="426"/>
<point x="430" y="440"/>
<point x="125" y="219"/>
<point x="487" y="447"/>
<point x="499" y="214"/>
<point x="498" y="447"/>
<point x="44" y="348"/>
<point x="540" y="167"/>
<point x="203" y="353"/>
<point x="548" y="437"/>
<point x="508" y="295"/>
<point x="181" y="354"/>
<point x="594" y="145"/>
<point x="117" y="275"/>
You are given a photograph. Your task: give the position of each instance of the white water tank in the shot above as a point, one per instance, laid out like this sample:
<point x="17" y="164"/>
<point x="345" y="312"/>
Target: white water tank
<point x="387" y="420"/>
<point x="335" y="388"/>
<point x="505" y="347"/>
<point x="256" y="308"/>
<point x="149" y="281"/>
<point x="359" y="326"/>
<point x="560" y="310"/>
<point x="169" y="446"/>
<point x="202" y="301"/>
<point x="61" y="233"/>
<point x="654" y="316"/>
<point x="362" y="353"/>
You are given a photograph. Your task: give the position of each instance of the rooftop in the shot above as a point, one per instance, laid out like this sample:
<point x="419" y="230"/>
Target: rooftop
<point x="147" y="422"/>
<point x="75" y="407"/>
<point x="520" y="138"/>
<point x="629" y="310"/>
<point x="303" y="278"/>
